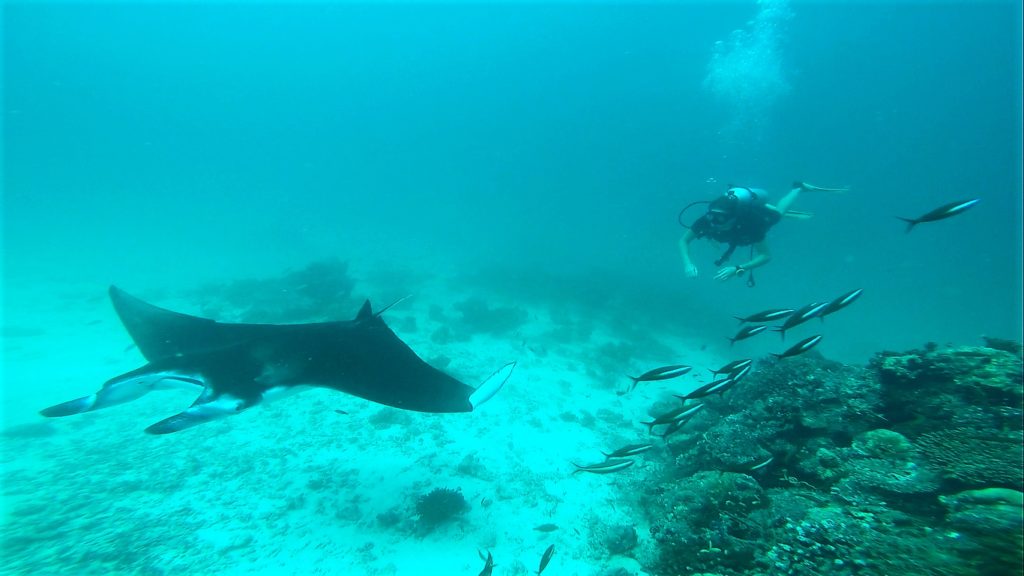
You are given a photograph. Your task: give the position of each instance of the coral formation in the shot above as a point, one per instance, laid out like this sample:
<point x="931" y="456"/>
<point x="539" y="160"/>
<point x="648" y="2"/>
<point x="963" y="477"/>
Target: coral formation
<point x="620" y="539"/>
<point x="938" y="389"/>
<point x="439" y="506"/>
<point x="865" y="470"/>
<point x="989" y="527"/>
<point x="975" y="458"/>
<point x="701" y="517"/>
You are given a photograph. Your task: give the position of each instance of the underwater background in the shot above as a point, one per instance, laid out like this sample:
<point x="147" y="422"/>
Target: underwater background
<point x="515" y="167"/>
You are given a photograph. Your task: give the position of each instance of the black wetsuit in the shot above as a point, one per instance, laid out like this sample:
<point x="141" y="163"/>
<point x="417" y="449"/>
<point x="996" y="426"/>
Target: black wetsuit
<point x="752" y="223"/>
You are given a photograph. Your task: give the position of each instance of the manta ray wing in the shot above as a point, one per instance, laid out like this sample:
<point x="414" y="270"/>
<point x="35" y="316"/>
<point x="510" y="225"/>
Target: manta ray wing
<point x="160" y="333"/>
<point x="236" y="366"/>
<point x="366" y="358"/>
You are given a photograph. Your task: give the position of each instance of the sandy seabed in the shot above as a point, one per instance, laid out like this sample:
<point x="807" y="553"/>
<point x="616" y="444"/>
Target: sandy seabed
<point x="300" y="486"/>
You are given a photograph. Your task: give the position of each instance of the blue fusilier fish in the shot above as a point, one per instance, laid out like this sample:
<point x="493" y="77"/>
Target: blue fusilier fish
<point x="673" y="416"/>
<point x="674" y="427"/>
<point x="840" y="303"/>
<point x="606" y="467"/>
<point x="766" y="316"/>
<point x="800" y="316"/>
<point x="631" y="450"/>
<point x="717" y="386"/>
<point x="234" y="367"/>
<point x="663" y="373"/>
<point x="729" y="382"/>
<point x="732" y="380"/>
<point x="940" y="213"/>
<point x="734" y="366"/>
<point x="741" y="373"/>
<point x="702" y="391"/>
<point x="800" y="347"/>
<point x="747" y="332"/>
<point x="546" y="558"/>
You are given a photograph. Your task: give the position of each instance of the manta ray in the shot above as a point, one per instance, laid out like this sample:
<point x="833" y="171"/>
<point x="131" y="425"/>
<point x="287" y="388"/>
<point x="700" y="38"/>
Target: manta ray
<point x="236" y="366"/>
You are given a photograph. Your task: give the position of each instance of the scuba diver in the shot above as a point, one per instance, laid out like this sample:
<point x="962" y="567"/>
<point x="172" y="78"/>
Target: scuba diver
<point x="741" y="217"/>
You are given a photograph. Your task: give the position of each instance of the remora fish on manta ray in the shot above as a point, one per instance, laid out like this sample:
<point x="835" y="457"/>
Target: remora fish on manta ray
<point x="236" y="366"/>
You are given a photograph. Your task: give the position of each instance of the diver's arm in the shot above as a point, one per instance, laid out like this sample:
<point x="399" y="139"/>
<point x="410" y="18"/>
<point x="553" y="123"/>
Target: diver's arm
<point x="684" y="251"/>
<point x="762" y="255"/>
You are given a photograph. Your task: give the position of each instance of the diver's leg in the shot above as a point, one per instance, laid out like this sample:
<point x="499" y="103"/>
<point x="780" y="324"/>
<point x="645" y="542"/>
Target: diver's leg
<point x="788" y="199"/>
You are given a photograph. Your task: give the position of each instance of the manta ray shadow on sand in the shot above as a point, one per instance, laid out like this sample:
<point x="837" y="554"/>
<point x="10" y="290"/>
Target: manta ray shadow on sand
<point x="236" y="366"/>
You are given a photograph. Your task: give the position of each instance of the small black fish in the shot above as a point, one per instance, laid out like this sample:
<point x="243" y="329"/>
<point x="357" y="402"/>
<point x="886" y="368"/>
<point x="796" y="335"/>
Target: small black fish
<point x="940" y="213"/>
<point x="546" y="528"/>
<point x="340" y="412"/>
<point x="663" y="373"/>
<point x="800" y="347"/>
<point x="734" y="366"/>
<point x="747" y="332"/>
<point x="766" y="316"/>
<point x="800" y="316"/>
<point x="488" y="563"/>
<point x="631" y="450"/>
<point x="606" y="467"/>
<point x="485" y="502"/>
<point x="840" y="303"/>
<point x="546" y="558"/>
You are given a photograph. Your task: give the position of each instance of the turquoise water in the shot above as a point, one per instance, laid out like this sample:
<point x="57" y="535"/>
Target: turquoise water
<point x="513" y="139"/>
<point x="532" y="156"/>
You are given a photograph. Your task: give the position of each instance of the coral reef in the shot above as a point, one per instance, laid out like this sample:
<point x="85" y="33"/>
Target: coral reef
<point x="704" y="522"/>
<point x="938" y="389"/>
<point x="810" y="467"/>
<point x="989" y="527"/>
<point x="439" y="506"/>
<point x="975" y="458"/>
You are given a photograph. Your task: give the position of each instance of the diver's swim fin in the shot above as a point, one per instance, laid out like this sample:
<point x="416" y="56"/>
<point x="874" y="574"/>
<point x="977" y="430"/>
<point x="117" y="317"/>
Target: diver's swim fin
<point x="798" y="215"/>
<point x="813" y="188"/>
